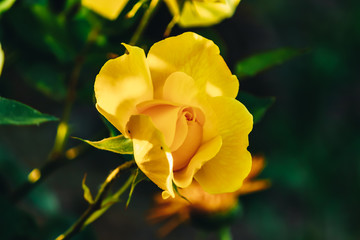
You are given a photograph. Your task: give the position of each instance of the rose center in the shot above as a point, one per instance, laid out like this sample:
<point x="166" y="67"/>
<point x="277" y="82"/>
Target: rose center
<point x="183" y="154"/>
<point x="182" y="127"/>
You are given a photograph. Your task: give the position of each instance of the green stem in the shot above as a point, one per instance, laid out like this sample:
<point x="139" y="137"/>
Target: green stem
<point x="57" y="157"/>
<point x="96" y="205"/>
<point x="63" y="128"/>
<point x="144" y="22"/>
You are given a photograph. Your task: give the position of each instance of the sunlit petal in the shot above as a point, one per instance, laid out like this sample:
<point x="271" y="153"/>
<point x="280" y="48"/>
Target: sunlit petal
<point x="121" y="84"/>
<point x="206" y="13"/>
<point x="110" y="9"/>
<point x="196" y="56"/>
<point x="227" y="170"/>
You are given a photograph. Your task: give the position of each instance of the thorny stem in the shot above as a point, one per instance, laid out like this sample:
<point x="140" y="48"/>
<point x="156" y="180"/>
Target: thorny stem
<point x="96" y="205"/>
<point x="144" y="21"/>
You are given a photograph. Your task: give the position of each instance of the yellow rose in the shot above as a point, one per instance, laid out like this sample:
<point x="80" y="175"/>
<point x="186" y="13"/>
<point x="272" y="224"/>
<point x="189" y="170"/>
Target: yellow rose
<point x="178" y="106"/>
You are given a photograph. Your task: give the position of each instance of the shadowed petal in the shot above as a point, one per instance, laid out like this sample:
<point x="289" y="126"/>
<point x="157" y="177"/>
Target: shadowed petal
<point x="207" y="151"/>
<point x="151" y="154"/>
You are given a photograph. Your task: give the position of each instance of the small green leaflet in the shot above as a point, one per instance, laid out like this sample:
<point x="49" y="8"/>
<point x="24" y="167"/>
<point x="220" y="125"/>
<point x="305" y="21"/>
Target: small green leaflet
<point x="254" y="64"/>
<point x="118" y="144"/>
<point x="110" y="200"/>
<point x="87" y="194"/>
<point x="257" y="106"/>
<point x="139" y="177"/>
<point x="16" y="113"/>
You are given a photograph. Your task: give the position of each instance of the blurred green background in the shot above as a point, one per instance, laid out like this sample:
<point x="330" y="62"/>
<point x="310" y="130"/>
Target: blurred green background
<point x="309" y="136"/>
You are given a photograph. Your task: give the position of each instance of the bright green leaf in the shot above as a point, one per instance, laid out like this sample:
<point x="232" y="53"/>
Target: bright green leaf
<point x="16" y="113"/>
<point x="254" y="64"/>
<point x="5" y="5"/>
<point x="87" y="194"/>
<point x="257" y="106"/>
<point x="118" y="144"/>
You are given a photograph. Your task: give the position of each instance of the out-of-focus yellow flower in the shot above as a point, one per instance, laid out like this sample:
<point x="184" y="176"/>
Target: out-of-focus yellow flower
<point x="1" y="59"/>
<point x="186" y="13"/>
<point x="178" y="106"/>
<point x="196" y="13"/>
<point x="110" y="9"/>
<point x="198" y="202"/>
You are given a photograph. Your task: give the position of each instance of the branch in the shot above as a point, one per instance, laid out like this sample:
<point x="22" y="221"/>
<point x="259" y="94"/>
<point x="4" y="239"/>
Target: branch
<point x="96" y="205"/>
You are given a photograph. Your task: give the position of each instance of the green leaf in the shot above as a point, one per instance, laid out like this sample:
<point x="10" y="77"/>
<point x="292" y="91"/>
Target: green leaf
<point x="16" y="113"/>
<point x="5" y="5"/>
<point x="87" y="194"/>
<point x="257" y="106"/>
<point x="254" y="64"/>
<point x="110" y="200"/>
<point x="118" y="144"/>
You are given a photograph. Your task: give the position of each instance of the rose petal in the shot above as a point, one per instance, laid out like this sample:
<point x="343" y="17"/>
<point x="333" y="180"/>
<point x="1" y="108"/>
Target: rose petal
<point x="181" y="133"/>
<point x="227" y="170"/>
<point x="181" y="88"/>
<point x="183" y="155"/>
<point x="164" y="117"/>
<point x="151" y="154"/>
<point x="107" y="8"/>
<point x="121" y="84"/>
<point x="196" y="56"/>
<point x="207" y="151"/>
